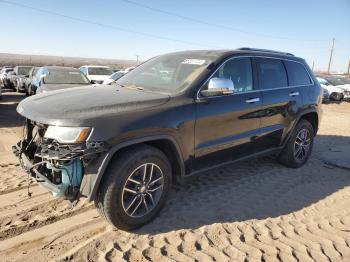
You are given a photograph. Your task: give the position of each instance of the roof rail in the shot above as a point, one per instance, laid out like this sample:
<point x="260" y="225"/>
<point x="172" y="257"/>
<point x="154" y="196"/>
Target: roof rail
<point x="264" y="50"/>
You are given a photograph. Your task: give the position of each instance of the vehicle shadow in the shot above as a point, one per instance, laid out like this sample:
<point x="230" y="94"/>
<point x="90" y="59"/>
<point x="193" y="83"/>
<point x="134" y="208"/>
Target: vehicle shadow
<point x="257" y="189"/>
<point x="8" y="114"/>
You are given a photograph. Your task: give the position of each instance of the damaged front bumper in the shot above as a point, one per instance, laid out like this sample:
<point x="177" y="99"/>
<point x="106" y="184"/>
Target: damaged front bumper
<point x="67" y="170"/>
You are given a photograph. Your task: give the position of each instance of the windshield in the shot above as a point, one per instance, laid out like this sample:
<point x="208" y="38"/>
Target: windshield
<point x="322" y="81"/>
<point x="336" y="81"/>
<point x="100" y="71"/>
<point x="24" y="70"/>
<point x="167" y="73"/>
<point x="117" y="75"/>
<point x="65" y="77"/>
<point x="346" y="80"/>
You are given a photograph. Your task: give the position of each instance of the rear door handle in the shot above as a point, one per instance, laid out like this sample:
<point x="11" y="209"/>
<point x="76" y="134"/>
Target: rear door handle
<point x="252" y="100"/>
<point x="294" y="94"/>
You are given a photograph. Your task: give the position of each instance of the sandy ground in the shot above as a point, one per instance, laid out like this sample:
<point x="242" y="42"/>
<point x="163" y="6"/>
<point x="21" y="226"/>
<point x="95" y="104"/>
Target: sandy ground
<point x="253" y="211"/>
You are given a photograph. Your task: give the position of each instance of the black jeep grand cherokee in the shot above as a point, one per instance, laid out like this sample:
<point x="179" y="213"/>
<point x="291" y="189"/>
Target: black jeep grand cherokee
<point x="174" y="116"/>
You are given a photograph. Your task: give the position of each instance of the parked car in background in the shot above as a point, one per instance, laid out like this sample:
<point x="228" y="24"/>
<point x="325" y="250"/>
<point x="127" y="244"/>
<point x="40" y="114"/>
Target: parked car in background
<point x="21" y="72"/>
<point x="96" y="74"/>
<point x="340" y="82"/>
<point x="330" y="92"/>
<point x="50" y="78"/>
<point x="8" y="80"/>
<point x="3" y="75"/>
<point x="114" y="77"/>
<point x="28" y="80"/>
<point x="123" y="146"/>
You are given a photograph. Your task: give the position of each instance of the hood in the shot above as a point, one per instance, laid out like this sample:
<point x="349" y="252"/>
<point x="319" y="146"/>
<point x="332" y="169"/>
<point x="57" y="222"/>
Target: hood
<point x="332" y="89"/>
<point x="51" y="87"/>
<point x="83" y="106"/>
<point x="345" y="87"/>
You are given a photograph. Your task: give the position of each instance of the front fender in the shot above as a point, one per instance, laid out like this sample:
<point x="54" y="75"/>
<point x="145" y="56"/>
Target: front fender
<point x="95" y="170"/>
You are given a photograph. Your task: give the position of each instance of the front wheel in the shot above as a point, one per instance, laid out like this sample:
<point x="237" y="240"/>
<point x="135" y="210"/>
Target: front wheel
<point x="299" y="147"/>
<point x="135" y="187"/>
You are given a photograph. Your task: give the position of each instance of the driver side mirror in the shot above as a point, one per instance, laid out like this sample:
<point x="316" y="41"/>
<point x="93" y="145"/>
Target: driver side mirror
<point x="218" y="86"/>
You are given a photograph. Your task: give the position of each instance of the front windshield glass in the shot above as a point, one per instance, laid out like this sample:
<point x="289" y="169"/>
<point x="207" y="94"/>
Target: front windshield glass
<point x="346" y="80"/>
<point x="24" y="70"/>
<point x="336" y="81"/>
<point x="322" y="81"/>
<point x="117" y="75"/>
<point x="100" y="71"/>
<point x="65" y="77"/>
<point x="167" y="73"/>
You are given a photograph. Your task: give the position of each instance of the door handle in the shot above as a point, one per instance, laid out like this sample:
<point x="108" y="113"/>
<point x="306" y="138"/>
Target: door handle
<point x="252" y="100"/>
<point x="294" y="94"/>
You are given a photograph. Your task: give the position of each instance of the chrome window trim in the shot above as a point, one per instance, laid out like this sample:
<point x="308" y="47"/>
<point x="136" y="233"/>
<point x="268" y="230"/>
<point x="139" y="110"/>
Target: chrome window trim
<point x="258" y="90"/>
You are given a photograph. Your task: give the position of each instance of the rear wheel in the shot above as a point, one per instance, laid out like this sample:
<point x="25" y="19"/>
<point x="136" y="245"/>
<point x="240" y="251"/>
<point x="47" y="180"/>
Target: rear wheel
<point x="299" y="147"/>
<point x="135" y="187"/>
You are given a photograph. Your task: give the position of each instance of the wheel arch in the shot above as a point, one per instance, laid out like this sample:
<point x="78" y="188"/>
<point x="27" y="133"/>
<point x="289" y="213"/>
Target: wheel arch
<point x="312" y="118"/>
<point x="165" y="143"/>
<point x="310" y="115"/>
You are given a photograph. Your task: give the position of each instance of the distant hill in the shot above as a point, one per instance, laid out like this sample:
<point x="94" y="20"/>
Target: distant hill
<point x="43" y="60"/>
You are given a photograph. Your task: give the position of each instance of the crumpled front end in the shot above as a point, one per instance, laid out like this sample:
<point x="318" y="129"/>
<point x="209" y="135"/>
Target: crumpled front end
<point x="61" y="168"/>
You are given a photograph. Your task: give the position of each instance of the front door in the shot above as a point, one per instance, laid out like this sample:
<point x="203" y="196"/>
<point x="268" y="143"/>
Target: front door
<point x="228" y="125"/>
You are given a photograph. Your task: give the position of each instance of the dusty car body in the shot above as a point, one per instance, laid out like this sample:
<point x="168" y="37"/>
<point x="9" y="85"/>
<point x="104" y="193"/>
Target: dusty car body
<point x="331" y="92"/>
<point x="21" y="72"/>
<point x="96" y="74"/>
<point x="50" y="78"/>
<point x="123" y="145"/>
<point x="27" y="82"/>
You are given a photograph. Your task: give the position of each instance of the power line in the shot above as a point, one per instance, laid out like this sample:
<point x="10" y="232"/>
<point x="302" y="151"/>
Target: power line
<point x="221" y="26"/>
<point x="82" y="20"/>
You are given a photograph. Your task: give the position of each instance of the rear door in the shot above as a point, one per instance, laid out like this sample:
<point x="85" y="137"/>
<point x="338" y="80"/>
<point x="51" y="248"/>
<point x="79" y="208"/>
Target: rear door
<point x="227" y="125"/>
<point x="281" y="101"/>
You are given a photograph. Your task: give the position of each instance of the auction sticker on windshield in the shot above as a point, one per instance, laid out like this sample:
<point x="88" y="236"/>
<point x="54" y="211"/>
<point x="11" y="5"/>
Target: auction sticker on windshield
<point x="193" y="61"/>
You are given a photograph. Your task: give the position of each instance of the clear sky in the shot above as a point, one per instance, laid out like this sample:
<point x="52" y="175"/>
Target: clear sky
<point x="121" y="29"/>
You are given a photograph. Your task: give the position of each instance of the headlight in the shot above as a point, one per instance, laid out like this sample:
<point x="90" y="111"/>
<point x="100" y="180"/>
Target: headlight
<point x="68" y="135"/>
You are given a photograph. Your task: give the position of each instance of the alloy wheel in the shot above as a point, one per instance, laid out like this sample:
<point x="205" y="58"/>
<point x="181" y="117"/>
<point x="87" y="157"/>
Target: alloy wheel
<point x="302" y="144"/>
<point x="142" y="190"/>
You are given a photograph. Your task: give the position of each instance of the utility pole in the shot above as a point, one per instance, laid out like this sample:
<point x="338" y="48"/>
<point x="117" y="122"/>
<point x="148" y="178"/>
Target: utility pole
<point x="313" y="65"/>
<point x="330" y="56"/>
<point x="137" y="59"/>
<point x="349" y="69"/>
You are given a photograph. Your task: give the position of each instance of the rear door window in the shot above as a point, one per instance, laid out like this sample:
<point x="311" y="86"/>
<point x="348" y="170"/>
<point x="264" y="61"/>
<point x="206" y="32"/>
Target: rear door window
<point x="297" y="74"/>
<point x="272" y="73"/>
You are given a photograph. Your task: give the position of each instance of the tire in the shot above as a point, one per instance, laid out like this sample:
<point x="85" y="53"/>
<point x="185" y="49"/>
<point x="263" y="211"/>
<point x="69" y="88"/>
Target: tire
<point x="336" y="97"/>
<point x="128" y="210"/>
<point x="292" y="156"/>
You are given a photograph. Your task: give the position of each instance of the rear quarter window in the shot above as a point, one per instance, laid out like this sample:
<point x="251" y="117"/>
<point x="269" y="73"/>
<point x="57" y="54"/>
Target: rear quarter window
<point x="297" y="74"/>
